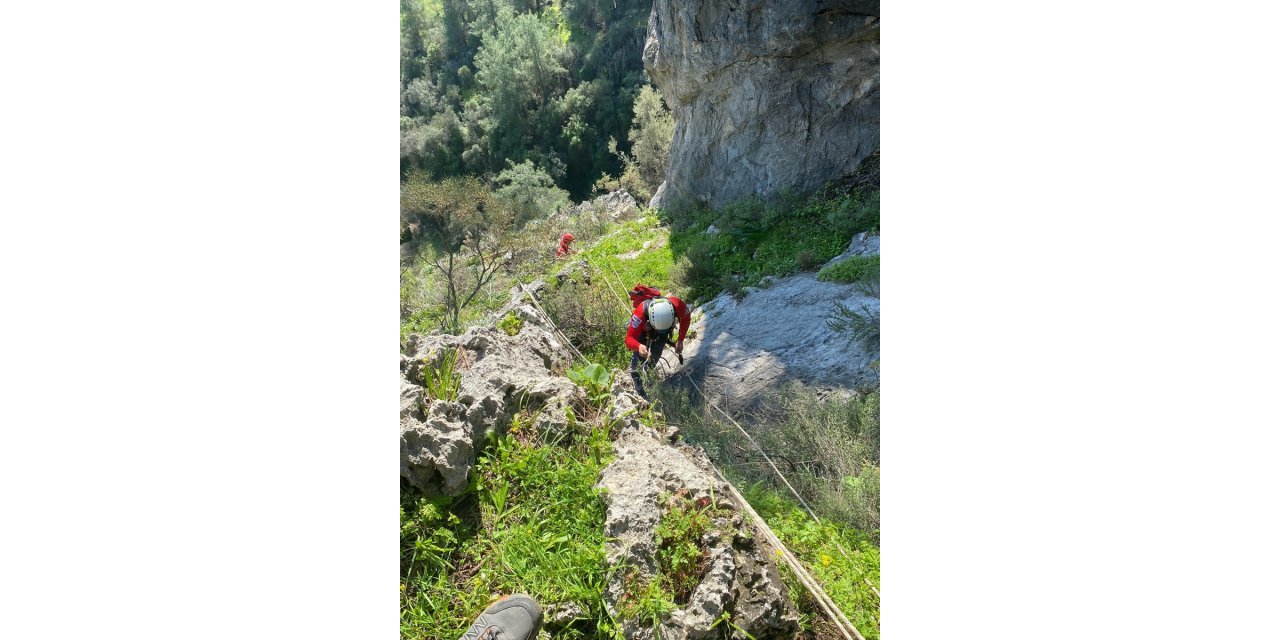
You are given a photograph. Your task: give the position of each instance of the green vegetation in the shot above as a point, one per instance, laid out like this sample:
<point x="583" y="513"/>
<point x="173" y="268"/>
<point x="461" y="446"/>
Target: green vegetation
<point x="484" y="83"/>
<point x="756" y="238"/>
<point x="442" y="377"/>
<point x="510" y="324"/>
<point x="839" y="557"/>
<point x="530" y="522"/>
<point x="862" y="326"/>
<point x="863" y="269"/>
<point x="651" y="130"/>
<point x="468" y="226"/>
<point x="596" y="379"/>
<point x="681" y="555"/>
<point x="830" y="452"/>
<point x="829" y="449"/>
<point x="681" y="558"/>
<point x="594" y="315"/>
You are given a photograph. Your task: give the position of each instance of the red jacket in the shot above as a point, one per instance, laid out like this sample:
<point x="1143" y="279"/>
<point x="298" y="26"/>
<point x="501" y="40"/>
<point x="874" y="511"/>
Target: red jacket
<point x="564" y="249"/>
<point x="638" y="327"/>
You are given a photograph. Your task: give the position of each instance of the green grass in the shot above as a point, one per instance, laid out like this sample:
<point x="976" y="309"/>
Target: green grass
<point x="651" y="266"/>
<point x="847" y="580"/>
<point x="864" y="269"/>
<point x="530" y="522"/>
<point x="758" y="239"/>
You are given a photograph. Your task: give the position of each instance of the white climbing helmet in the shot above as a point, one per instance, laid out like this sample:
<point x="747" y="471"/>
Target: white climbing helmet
<point x="661" y="314"/>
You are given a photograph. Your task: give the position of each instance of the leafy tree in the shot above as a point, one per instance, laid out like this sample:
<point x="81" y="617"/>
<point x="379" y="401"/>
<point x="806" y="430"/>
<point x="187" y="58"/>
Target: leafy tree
<point x="559" y="80"/>
<point x="652" y="129"/>
<point x="529" y="191"/>
<point x="519" y="69"/>
<point x="467" y="227"/>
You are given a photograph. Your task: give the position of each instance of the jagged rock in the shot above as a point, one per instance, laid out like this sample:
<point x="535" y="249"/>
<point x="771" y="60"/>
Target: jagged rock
<point x="500" y="376"/>
<point x="740" y="579"/>
<point x="766" y="94"/>
<point x="616" y="205"/>
<point x="612" y="206"/>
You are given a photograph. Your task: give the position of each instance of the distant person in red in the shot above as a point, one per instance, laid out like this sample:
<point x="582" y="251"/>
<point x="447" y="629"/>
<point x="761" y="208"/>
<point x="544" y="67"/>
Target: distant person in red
<point x="651" y="323"/>
<point x="564" y="249"/>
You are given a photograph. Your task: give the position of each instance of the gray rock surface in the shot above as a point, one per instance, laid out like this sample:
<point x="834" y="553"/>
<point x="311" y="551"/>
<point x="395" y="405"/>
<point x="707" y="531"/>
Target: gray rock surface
<point x="740" y="579"/>
<point x="766" y="94"/>
<point x="500" y="376"/>
<point x="747" y="349"/>
<point x="612" y="206"/>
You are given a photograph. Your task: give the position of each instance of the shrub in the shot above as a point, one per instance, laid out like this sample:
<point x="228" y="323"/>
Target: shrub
<point x="591" y="318"/>
<point x="806" y="260"/>
<point x="865" y="269"/>
<point x="759" y="238"/>
<point x="863" y="327"/>
<point x="817" y="444"/>
<point x="680" y="554"/>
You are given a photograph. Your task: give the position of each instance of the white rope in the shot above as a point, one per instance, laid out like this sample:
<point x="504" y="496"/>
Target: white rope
<point x="534" y="300"/>
<point x="815" y="589"/>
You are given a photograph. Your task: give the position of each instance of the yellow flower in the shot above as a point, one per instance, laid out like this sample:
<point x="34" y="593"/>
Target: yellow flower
<point x="778" y="551"/>
<point x="826" y="560"/>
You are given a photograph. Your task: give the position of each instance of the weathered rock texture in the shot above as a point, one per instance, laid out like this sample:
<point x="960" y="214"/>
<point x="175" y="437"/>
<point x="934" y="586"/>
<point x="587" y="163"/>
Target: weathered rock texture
<point x="740" y="578"/>
<point x="767" y="94"/>
<point x="747" y="349"/>
<point x="500" y="376"/>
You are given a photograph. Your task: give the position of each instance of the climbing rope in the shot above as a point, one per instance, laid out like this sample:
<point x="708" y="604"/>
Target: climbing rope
<point x="534" y="300"/>
<point x="843" y="624"/>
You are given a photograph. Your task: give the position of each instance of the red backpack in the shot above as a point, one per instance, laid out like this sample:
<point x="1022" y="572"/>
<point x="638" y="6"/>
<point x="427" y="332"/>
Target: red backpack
<point x="642" y="293"/>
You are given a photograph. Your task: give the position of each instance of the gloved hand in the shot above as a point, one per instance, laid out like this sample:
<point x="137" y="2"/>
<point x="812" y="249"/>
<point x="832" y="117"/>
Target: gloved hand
<point x="680" y="346"/>
<point x="643" y="351"/>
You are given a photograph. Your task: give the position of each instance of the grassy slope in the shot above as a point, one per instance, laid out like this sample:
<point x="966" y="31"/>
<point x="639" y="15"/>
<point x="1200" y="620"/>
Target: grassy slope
<point x="531" y="520"/>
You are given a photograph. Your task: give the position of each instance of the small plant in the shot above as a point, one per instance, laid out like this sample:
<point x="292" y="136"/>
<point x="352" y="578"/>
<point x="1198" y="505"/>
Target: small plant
<point x="646" y="601"/>
<point x="511" y="324"/>
<point x="806" y="260"/>
<point x="863" y="326"/>
<point x="681" y="557"/>
<point x="443" y="379"/>
<point x="596" y="379"/>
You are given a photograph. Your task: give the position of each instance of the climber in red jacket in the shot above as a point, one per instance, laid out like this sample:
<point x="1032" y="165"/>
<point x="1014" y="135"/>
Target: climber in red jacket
<point x="650" y="328"/>
<point x="564" y="249"/>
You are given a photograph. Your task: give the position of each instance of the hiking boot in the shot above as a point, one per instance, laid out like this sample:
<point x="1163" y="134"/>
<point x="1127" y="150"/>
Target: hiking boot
<point x="515" y="617"/>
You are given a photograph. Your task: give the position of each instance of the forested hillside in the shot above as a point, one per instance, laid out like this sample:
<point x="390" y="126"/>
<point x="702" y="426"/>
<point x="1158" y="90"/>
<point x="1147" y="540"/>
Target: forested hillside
<point x="487" y="85"/>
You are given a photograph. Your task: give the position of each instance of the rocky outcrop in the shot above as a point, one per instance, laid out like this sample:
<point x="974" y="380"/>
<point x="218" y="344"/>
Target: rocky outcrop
<point x="612" y="206"/>
<point x="767" y="94"/>
<point x="743" y="353"/>
<point x="739" y="579"/>
<point x="500" y="376"/>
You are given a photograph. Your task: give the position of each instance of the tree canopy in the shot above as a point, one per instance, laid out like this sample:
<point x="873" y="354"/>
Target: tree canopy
<point x="491" y="84"/>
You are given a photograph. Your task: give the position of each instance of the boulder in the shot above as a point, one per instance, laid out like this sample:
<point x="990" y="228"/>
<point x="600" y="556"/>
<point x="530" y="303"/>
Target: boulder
<point x="767" y="95"/>
<point x="740" y="578"/>
<point x="500" y="375"/>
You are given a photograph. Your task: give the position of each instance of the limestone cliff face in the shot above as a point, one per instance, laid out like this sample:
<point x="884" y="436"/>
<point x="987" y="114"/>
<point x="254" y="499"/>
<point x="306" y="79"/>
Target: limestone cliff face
<point x="767" y="94"/>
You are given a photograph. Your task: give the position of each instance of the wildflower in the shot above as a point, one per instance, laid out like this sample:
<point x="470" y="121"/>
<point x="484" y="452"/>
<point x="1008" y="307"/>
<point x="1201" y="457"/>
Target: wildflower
<point x="826" y="560"/>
